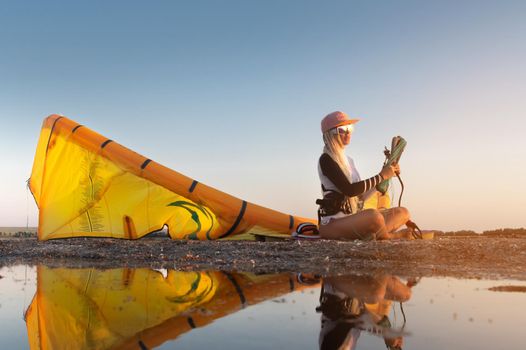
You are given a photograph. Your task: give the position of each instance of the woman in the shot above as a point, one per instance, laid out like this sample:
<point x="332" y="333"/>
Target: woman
<point x="344" y="192"/>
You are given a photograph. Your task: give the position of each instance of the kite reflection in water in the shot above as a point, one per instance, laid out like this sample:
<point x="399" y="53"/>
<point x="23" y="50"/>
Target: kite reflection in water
<point x="138" y="308"/>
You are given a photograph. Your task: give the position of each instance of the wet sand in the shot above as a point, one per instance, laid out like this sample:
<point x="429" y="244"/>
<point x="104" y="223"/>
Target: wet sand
<point x="466" y="257"/>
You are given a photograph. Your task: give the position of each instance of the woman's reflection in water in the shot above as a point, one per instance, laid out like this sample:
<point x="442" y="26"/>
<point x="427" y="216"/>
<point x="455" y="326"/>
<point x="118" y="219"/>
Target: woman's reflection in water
<point x="352" y="304"/>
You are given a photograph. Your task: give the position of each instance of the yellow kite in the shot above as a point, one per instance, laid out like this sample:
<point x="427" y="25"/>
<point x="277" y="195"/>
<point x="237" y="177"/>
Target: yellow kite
<point x="86" y="185"/>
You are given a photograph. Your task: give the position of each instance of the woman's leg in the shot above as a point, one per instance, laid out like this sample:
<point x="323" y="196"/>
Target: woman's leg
<point x="395" y="218"/>
<point x="366" y="225"/>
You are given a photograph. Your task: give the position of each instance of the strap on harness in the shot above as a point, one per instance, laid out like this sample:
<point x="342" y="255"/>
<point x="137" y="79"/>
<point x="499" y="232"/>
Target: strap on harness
<point x="332" y="203"/>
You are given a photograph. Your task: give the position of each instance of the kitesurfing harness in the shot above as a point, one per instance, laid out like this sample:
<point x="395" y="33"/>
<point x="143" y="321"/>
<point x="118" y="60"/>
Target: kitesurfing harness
<point x="332" y="203"/>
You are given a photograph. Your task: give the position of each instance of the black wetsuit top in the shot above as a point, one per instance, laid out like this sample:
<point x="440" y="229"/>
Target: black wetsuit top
<point x="334" y="173"/>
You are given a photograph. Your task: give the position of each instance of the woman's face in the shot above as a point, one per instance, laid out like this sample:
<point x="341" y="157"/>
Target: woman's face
<point x="346" y="138"/>
<point x="345" y="132"/>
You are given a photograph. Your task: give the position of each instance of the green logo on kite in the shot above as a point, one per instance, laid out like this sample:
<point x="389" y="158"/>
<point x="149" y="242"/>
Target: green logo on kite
<point x="193" y="210"/>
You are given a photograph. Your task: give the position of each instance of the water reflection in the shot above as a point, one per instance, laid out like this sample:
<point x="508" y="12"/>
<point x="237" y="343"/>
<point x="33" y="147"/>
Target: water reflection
<point x="352" y="304"/>
<point x="139" y="308"/>
<point x="144" y="308"/>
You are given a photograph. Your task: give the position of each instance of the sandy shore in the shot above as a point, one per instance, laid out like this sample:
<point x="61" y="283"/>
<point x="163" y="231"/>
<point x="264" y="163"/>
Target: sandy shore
<point x="498" y="258"/>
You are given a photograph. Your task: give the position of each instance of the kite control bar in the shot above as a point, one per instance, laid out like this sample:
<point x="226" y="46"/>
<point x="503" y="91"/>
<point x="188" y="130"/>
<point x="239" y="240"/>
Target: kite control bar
<point x="391" y="158"/>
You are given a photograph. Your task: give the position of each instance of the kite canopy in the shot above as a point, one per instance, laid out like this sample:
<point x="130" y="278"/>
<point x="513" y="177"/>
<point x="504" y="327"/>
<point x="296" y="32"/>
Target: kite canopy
<point x="86" y="185"/>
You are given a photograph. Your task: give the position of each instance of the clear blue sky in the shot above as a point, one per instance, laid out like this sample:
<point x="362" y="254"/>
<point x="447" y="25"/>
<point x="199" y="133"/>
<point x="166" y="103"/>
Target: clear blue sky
<point x="232" y="93"/>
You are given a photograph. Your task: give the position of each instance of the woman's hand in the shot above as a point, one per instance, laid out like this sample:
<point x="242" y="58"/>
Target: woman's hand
<point x="389" y="171"/>
<point x="396" y="168"/>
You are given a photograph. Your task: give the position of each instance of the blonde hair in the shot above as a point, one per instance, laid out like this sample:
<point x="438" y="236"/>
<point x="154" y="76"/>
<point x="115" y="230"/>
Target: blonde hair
<point x="334" y="148"/>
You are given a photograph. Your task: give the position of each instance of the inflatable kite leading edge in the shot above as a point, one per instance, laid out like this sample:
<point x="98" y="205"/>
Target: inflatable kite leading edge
<point x="86" y="185"/>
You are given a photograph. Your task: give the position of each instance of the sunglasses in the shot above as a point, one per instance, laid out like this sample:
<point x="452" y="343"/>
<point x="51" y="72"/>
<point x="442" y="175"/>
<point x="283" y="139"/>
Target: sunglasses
<point x="344" y="129"/>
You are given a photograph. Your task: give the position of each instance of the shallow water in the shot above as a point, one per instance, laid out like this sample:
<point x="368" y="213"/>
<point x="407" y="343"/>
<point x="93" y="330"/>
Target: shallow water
<point x="47" y="308"/>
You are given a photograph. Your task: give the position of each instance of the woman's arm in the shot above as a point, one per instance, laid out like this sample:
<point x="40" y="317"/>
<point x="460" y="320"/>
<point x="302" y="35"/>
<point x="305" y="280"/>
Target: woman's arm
<point x="332" y="170"/>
